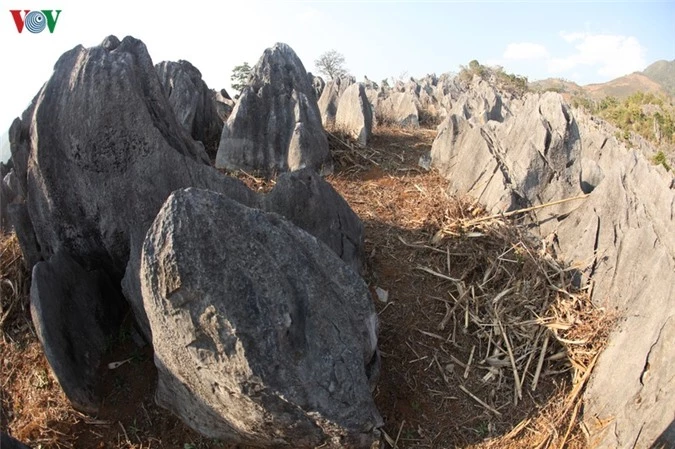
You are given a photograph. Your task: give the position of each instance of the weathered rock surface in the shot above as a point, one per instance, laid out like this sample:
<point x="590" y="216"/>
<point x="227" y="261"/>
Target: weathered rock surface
<point x="398" y="109"/>
<point x="619" y="237"/>
<point x="308" y="201"/>
<point x="354" y="115"/>
<point x="481" y="102"/>
<point x="262" y="335"/>
<point x="526" y="160"/>
<point x="76" y="314"/>
<point x="330" y="97"/>
<point x="224" y="106"/>
<point x="318" y="83"/>
<point x="275" y="125"/>
<point x="101" y="170"/>
<point x="192" y="102"/>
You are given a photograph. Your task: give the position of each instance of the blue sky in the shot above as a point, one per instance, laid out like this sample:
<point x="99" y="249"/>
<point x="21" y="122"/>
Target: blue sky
<point x="585" y="42"/>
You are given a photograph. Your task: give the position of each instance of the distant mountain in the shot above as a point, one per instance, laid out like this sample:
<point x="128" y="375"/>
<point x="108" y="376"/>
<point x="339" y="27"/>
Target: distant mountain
<point x="663" y="72"/>
<point x="625" y="86"/>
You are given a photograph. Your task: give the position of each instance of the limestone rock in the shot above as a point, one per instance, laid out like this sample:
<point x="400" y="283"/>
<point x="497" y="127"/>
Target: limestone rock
<point x="318" y="83"/>
<point x="528" y="159"/>
<point x="192" y="102"/>
<point x="275" y="126"/>
<point x="354" y="115"/>
<point x="328" y="102"/>
<point x="262" y="335"/>
<point x="76" y="314"/>
<point x="398" y="109"/>
<point x="308" y="201"/>
<point x="481" y="101"/>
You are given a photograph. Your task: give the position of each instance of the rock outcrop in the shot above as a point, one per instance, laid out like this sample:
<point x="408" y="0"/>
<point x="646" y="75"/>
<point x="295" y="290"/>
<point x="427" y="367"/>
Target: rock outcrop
<point x="330" y="97"/>
<point x="619" y="237"/>
<point x="311" y="203"/>
<point x="527" y="160"/>
<point x="285" y="356"/>
<point x="76" y="314"/>
<point x="354" y="115"/>
<point x="318" y="83"/>
<point x="399" y="109"/>
<point x="275" y="125"/>
<point x="192" y="102"/>
<point x="101" y="170"/>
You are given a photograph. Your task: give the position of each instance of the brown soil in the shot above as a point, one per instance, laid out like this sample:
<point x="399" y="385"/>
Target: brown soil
<point x="425" y="389"/>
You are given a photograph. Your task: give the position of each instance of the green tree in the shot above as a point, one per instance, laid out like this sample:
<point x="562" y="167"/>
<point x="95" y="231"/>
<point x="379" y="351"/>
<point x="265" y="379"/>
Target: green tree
<point x="240" y="76"/>
<point x="331" y="64"/>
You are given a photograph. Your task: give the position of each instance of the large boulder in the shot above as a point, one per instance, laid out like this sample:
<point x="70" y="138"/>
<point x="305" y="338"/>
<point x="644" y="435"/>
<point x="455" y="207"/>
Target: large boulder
<point x="400" y="109"/>
<point x="192" y="102"/>
<point x="308" y="201"/>
<point x="275" y="126"/>
<point x="110" y="151"/>
<point x="318" y="83"/>
<point x="76" y="314"/>
<point x="262" y="335"/>
<point x="354" y="115"/>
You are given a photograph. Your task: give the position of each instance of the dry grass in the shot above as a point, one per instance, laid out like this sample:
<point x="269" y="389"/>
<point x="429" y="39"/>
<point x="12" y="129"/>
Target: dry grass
<point x="486" y="344"/>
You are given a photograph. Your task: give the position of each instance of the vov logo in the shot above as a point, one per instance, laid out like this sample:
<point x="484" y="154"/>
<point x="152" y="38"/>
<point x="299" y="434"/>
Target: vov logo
<point x="35" y="21"/>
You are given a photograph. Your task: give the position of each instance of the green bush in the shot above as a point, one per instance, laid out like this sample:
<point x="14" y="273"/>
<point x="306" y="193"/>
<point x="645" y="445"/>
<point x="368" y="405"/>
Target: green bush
<point x="660" y="159"/>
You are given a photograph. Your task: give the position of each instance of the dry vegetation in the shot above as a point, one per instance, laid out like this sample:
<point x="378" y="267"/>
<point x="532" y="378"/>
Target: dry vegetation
<point x="485" y="342"/>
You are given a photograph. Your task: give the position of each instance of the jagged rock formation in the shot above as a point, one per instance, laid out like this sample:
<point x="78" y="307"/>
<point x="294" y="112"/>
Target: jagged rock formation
<point x="399" y="109"/>
<point x="192" y="102"/>
<point x="224" y="105"/>
<point x="99" y="173"/>
<point x="330" y="97"/>
<point x="509" y="165"/>
<point x="318" y="83"/>
<point x="354" y="115"/>
<point x="275" y="125"/>
<point x="286" y="356"/>
<point x="619" y="237"/>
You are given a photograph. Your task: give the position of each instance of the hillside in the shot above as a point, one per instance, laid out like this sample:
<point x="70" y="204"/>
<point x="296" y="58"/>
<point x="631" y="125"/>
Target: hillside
<point x="662" y="72"/>
<point x="624" y="87"/>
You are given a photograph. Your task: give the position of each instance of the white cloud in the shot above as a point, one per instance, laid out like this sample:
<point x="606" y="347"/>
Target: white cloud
<point x="525" y="50"/>
<point x="612" y="55"/>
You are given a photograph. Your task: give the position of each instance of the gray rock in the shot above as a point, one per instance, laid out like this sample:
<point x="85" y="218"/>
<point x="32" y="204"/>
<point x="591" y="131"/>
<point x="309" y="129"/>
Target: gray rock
<point x="101" y="170"/>
<point x="10" y="192"/>
<point x="328" y="102"/>
<point x="192" y="102"/>
<point x="621" y="237"/>
<point x="354" y="115"/>
<point x="275" y="126"/>
<point x="528" y="159"/>
<point x="318" y="83"/>
<point x="224" y="105"/>
<point x="481" y="101"/>
<point x="7" y="442"/>
<point x="308" y="201"/>
<point x="76" y="314"/>
<point x="262" y="335"/>
<point x="398" y="109"/>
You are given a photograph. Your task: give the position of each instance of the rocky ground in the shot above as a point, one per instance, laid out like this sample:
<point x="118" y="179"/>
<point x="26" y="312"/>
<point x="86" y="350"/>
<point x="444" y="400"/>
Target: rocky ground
<point x="439" y="387"/>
